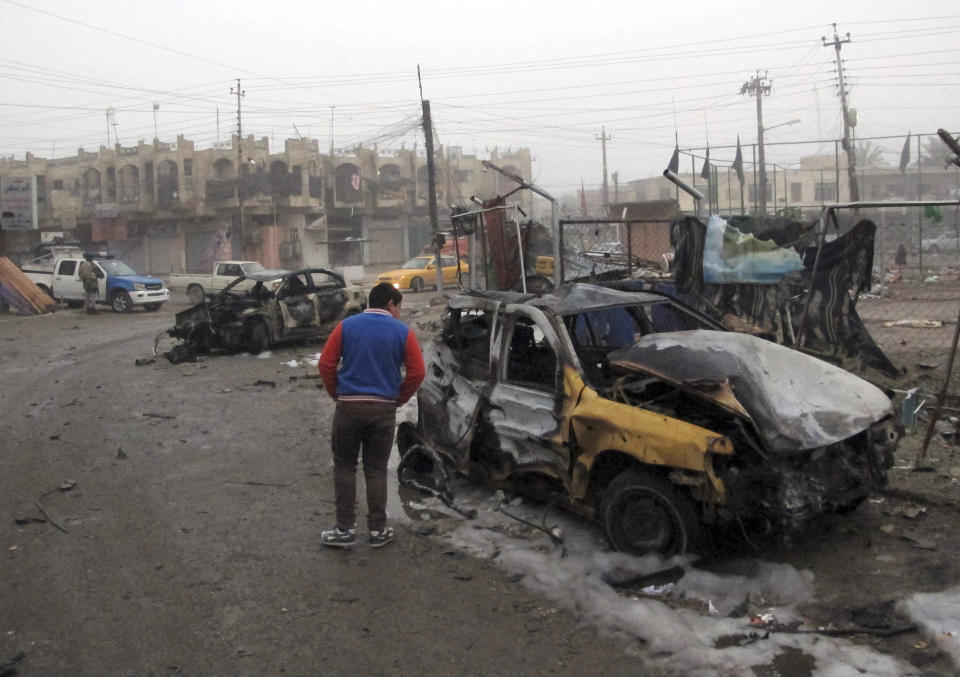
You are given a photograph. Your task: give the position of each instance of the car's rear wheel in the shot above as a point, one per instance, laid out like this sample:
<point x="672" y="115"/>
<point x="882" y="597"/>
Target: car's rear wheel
<point x="121" y="302"/>
<point x="643" y="513"/>
<point x="258" y="337"/>
<point x="151" y="307"/>
<point x="195" y="294"/>
<point x="935" y="249"/>
<point x="416" y="284"/>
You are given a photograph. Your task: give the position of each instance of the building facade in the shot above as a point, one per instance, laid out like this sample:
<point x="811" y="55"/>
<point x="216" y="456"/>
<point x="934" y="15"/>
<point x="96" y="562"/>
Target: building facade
<point x="160" y="205"/>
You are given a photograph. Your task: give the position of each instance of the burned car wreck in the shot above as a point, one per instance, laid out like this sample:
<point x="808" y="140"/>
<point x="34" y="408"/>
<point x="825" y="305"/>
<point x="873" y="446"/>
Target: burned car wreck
<point x="301" y="304"/>
<point x="640" y="413"/>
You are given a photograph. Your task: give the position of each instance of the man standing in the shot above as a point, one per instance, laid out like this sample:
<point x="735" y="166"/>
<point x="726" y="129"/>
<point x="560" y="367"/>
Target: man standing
<point x="370" y="349"/>
<point x="88" y="275"/>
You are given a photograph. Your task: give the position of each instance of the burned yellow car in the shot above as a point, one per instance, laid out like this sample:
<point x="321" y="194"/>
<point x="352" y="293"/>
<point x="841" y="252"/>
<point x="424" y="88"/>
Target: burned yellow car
<point x="638" y="412"/>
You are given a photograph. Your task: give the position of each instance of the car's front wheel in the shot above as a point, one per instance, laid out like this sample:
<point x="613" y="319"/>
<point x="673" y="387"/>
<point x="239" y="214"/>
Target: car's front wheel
<point x="934" y="249"/>
<point x="643" y="513"/>
<point x="258" y="337"/>
<point x="416" y="284"/>
<point x="121" y="302"/>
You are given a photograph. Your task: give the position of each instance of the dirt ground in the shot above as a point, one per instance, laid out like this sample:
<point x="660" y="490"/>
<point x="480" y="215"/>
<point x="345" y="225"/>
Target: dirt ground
<point x="189" y="543"/>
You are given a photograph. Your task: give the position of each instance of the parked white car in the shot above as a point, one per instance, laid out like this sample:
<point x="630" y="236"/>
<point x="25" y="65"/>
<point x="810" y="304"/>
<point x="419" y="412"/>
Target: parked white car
<point x="948" y="242"/>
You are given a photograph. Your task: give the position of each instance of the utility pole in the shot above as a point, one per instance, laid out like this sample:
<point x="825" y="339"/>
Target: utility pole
<point x="331" y="130"/>
<point x="847" y="122"/>
<point x="616" y="188"/>
<point x="240" y="166"/>
<point x="603" y="138"/>
<point x="758" y="88"/>
<point x="432" y="191"/>
<point x="156" y="134"/>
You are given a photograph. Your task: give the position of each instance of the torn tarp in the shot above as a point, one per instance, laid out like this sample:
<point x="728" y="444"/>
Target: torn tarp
<point x="833" y="329"/>
<point x="731" y="256"/>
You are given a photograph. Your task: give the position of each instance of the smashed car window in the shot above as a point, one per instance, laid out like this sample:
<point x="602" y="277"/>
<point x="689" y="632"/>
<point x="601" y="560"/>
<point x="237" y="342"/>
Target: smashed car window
<point x="467" y="334"/>
<point x="324" y="280"/>
<point x="606" y="328"/>
<point x="530" y="359"/>
<point x="595" y="333"/>
<point x="297" y="284"/>
<point x="667" y="317"/>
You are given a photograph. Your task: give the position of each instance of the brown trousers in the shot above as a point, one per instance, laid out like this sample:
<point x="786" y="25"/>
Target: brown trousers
<point x="370" y="426"/>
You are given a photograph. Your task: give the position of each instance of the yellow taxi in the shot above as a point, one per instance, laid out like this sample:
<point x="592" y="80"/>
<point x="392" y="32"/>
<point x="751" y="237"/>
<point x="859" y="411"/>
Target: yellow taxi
<point x="422" y="270"/>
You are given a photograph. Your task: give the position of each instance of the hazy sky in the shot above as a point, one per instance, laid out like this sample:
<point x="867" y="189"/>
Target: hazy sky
<point x="544" y="75"/>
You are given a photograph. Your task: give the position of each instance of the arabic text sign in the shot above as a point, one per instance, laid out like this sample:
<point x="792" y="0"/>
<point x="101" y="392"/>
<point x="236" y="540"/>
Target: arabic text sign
<point x="18" y="200"/>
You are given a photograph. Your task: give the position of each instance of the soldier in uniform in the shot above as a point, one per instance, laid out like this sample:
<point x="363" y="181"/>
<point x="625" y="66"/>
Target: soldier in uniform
<point x="88" y="275"/>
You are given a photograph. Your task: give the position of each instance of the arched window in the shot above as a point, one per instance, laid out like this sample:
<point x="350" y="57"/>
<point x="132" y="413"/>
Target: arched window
<point x="129" y="184"/>
<point x="223" y="169"/>
<point x="92" y="193"/>
<point x="168" y="183"/>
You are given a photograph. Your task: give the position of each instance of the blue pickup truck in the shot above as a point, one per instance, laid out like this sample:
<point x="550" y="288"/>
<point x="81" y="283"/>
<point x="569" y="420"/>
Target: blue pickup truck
<point x="120" y="287"/>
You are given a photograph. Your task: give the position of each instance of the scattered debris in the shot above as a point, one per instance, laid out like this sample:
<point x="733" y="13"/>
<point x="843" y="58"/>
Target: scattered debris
<point x="29" y="520"/>
<point x="763" y="620"/>
<point x="263" y="382"/>
<point x="163" y="416"/>
<point x="120" y="453"/>
<point x="661" y="578"/>
<point x="143" y="361"/>
<point x="66" y="485"/>
<point x="918" y="541"/>
<point x="20" y="291"/>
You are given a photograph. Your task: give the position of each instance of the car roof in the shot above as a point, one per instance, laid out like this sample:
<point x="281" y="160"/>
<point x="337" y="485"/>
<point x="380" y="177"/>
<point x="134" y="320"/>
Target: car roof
<point x="266" y="274"/>
<point x="578" y="297"/>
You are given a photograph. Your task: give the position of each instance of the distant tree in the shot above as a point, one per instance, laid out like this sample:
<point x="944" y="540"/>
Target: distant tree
<point x="934" y="152"/>
<point x="869" y="155"/>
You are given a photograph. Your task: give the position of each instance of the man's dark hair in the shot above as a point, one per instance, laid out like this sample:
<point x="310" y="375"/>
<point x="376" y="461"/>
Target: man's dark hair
<point x="381" y="295"/>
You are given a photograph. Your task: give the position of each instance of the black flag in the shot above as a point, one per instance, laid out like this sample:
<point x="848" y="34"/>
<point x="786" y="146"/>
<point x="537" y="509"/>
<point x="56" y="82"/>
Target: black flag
<point x="905" y="155"/>
<point x="674" y="165"/>
<point x="738" y="162"/>
<point x="705" y="172"/>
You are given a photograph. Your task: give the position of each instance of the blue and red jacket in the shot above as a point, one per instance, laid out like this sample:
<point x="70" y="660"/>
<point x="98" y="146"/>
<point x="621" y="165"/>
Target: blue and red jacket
<point x="362" y="359"/>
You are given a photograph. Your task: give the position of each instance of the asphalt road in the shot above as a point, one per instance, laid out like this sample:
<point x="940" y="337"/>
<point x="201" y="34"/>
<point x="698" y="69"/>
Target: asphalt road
<point x="189" y="543"/>
<point x="186" y="539"/>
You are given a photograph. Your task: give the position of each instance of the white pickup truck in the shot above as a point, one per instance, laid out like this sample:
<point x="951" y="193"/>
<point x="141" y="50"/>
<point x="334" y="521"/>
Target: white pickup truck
<point x="120" y="287"/>
<point x="199" y="286"/>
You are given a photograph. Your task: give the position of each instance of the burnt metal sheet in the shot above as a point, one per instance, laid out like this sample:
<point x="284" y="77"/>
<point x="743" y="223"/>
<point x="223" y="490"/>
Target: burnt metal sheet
<point x="796" y="402"/>
<point x="833" y="330"/>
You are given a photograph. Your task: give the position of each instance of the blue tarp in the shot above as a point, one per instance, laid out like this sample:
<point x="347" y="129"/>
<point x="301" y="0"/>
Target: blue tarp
<point x="731" y="256"/>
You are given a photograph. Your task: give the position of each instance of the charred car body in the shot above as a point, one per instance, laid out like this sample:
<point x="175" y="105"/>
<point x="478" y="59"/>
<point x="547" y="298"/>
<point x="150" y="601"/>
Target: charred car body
<point x="301" y="304"/>
<point x="637" y="411"/>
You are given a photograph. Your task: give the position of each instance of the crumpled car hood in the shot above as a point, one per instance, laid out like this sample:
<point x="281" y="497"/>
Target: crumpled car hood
<point x="796" y="401"/>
